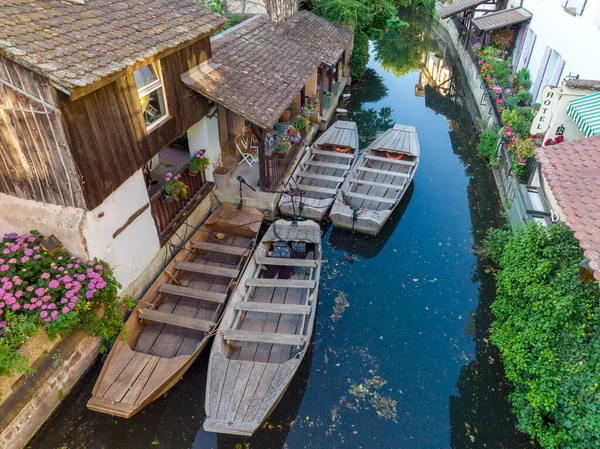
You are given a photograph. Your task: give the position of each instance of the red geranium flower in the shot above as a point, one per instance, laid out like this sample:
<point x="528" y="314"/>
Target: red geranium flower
<point x="548" y="142"/>
<point x="559" y="139"/>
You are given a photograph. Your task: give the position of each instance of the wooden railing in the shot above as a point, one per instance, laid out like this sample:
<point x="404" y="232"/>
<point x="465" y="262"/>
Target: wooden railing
<point x="169" y="216"/>
<point x="276" y="165"/>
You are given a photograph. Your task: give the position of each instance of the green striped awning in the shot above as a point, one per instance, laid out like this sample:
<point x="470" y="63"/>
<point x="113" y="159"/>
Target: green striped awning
<point x="586" y="113"/>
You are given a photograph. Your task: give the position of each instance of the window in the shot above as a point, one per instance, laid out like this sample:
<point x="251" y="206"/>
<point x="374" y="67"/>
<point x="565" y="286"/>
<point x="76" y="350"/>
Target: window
<point x="151" y="91"/>
<point x="574" y="7"/>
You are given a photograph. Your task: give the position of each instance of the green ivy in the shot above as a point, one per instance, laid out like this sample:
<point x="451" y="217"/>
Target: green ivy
<point x="488" y="142"/>
<point x="547" y="328"/>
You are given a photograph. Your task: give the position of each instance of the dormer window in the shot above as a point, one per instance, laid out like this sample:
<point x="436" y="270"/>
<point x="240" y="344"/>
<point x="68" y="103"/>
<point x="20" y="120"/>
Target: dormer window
<point x="151" y="91"/>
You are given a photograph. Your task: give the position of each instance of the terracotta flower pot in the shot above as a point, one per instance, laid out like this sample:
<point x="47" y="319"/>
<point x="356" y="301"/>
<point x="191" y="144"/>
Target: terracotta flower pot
<point x="286" y="116"/>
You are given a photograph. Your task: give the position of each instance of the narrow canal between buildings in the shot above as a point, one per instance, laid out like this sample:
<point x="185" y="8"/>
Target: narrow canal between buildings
<point x="401" y="357"/>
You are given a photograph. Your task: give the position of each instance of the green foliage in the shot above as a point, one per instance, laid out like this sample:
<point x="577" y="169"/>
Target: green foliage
<point x="370" y="19"/>
<point x="19" y="329"/>
<point x="547" y="328"/>
<point x="523" y="96"/>
<point x="519" y="119"/>
<point x="495" y="242"/>
<point x="523" y="79"/>
<point x="502" y="71"/>
<point x="488" y="142"/>
<point x="220" y="7"/>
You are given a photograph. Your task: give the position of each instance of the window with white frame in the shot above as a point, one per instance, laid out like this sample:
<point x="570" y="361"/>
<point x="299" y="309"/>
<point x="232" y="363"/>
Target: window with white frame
<point x="151" y="91"/>
<point x="574" y="7"/>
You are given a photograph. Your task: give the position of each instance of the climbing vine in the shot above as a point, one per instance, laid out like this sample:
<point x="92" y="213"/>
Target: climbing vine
<point x="547" y="328"/>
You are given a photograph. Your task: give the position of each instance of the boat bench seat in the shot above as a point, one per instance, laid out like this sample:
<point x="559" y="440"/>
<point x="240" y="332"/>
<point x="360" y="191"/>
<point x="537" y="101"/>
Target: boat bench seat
<point x="189" y="292"/>
<point x="176" y="320"/>
<point x="218" y="248"/>
<point x="264" y="337"/>
<point x="283" y="262"/>
<point x="285" y="283"/>
<point x="269" y="307"/>
<point x="207" y="269"/>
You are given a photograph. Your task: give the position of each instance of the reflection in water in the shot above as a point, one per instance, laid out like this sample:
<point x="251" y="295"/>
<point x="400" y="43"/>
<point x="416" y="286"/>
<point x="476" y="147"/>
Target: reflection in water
<point x="401" y="352"/>
<point x="368" y="247"/>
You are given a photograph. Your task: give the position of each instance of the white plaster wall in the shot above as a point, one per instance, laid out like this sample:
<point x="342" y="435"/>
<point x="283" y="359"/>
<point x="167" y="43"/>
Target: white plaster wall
<point x="560" y="117"/>
<point x="21" y="216"/>
<point x="133" y="249"/>
<point x="575" y="38"/>
<point x="205" y="135"/>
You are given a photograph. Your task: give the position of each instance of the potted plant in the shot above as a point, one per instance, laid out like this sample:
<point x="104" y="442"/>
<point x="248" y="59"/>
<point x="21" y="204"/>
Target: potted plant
<point x="301" y="122"/>
<point x="524" y="149"/>
<point x="286" y="116"/>
<point x="283" y="148"/>
<point x="327" y="99"/>
<point x="312" y="103"/>
<point x="222" y="171"/>
<point x="175" y="188"/>
<point x="335" y="88"/>
<point x="198" y="162"/>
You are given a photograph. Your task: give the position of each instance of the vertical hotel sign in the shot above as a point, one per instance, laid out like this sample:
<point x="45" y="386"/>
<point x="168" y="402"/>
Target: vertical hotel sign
<point x="541" y="122"/>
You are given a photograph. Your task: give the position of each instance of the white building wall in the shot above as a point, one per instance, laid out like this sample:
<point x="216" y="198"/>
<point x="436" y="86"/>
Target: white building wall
<point x="575" y="39"/>
<point x="129" y="252"/>
<point x="205" y="135"/>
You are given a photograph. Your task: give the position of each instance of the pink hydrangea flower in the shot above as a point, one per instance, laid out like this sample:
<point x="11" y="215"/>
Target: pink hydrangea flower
<point x="24" y="259"/>
<point x="53" y="284"/>
<point x="54" y="314"/>
<point x="37" y="256"/>
<point x="16" y="306"/>
<point x="12" y="261"/>
<point x="7" y="285"/>
<point x="40" y="291"/>
<point x="4" y="267"/>
<point x="65" y="310"/>
<point x="30" y="288"/>
<point x="43" y="314"/>
<point x="45" y="275"/>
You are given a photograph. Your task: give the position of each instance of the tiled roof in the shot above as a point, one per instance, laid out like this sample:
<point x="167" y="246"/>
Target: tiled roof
<point x="77" y="45"/>
<point x="254" y="71"/>
<point x="501" y="19"/>
<point x="326" y="39"/>
<point x="572" y="170"/>
<point x="457" y="6"/>
<point x="583" y="84"/>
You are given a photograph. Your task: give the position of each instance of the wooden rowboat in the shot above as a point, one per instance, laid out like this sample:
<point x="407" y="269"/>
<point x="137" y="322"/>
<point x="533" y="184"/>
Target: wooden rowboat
<point x="178" y="314"/>
<point x="321" y="171"/>
<point x="265" y="330"/>
<point x="378" y="181"/>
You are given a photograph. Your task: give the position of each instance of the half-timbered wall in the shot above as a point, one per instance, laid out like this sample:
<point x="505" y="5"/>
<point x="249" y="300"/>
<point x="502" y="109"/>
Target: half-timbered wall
<point x="106" y="128"/>
<point x="35" y="159"/>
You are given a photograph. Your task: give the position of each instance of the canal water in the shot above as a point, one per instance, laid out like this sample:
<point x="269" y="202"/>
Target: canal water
<point x="401" y="357"/>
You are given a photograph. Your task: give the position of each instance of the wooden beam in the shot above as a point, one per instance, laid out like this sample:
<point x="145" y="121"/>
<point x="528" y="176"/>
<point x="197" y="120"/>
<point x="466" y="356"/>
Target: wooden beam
<point x="375" y="184"/>
<point x="264" y="337"/>
<point x="192" y="293"/>
<point x="333" y="154"/>
<point x="207" y="269"/>
<point x="384" y="172"/>
<point x="305" y="174"/>
<point x="315" y="189"/>
<point x="284" y="283"/>
<point x="328" y="165"/>
<point x="392" y="161"/>
<point x="269" y="307"/>
<point x="176" y="320"/>
<point x="377" y="199"/>
<point x="282" y="262"/>
<point x="218" y="248"/>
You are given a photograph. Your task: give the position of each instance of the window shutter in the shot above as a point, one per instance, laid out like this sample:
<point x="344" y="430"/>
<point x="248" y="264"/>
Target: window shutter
<point x="520" y="43"/>
<point x="563" y="3"/>
<point x="540" y="73"/>
<point x="527" y="55"/>
<point x="580" y="6"/>
<point x="558" y="71"/>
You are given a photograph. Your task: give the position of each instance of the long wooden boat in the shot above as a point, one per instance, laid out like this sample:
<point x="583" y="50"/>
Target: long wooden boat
<point x="378" y="181"/>
<point x="265" y="330"/>
<point x="321" y="171"/>
<point x="177" y="316"/>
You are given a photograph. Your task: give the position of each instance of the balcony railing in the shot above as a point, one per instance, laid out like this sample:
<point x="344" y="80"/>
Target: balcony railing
<point x="169" y="216"/>
<point x="276" y="165"/>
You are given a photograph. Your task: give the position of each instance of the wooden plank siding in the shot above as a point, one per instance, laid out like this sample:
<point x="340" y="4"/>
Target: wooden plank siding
<point x="106" y="128"/>
<point x="230" y="127"/>
<point x="35" y="159"/>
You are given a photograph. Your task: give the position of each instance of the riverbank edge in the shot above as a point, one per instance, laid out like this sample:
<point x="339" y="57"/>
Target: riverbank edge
<point x="37" y="394"/>
<point x="506" y="182"/>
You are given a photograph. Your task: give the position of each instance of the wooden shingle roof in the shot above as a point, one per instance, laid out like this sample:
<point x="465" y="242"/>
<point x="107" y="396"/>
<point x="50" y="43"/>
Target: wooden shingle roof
<point x="79" y="45"/>
<point x="326" y="39"/>
<point x="501" y="19"/>
<point x="458" y="6"/>
<point x="254" y="71"/>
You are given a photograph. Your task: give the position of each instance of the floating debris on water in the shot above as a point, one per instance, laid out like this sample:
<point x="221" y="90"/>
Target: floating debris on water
<point x="368" y="390"/>
<point x="341" y="304"/>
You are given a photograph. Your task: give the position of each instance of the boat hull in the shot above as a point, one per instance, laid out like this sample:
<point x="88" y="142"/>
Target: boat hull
<point x="148" y="357"/>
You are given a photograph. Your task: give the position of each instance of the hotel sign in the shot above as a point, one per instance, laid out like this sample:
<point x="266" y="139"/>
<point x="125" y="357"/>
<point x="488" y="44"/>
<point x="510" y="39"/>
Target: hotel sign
<point x="541" y="122"/>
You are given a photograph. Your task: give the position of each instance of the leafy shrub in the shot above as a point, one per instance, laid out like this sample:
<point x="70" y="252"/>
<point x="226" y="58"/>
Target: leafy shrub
<point x="488" y="141"/>
<point x="495" y="242"/>
<point x="60" y="293"/>
<point x="547" y="328"/>
<point x="523" y="79"/>
<point x="523" y="96"/>
<point x="518" y="119"/>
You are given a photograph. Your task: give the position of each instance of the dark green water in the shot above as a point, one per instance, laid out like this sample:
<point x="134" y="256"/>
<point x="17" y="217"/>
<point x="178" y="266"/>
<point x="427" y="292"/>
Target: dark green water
<point x="400" y="357"/>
